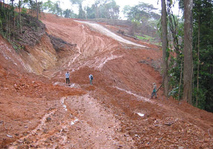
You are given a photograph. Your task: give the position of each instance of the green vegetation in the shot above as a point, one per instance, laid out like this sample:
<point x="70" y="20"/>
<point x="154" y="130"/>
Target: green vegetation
<point x="53" y="8"/>
<point x="202" y="89"/>
<point x="203" y="54"/>
<point x="144" y="20"/>
<point x="146" y="37"/>
<point x="142" y="16"/>
<point x="19" y="28"/>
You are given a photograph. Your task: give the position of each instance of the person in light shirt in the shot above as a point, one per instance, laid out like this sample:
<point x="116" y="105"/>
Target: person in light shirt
<point x="67" y="76"/>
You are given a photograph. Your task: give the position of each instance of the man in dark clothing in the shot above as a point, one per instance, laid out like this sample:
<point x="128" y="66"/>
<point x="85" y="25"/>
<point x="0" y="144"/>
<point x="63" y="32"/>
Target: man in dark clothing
<point x="154" y="92"/>
<point x="90" y="78"/>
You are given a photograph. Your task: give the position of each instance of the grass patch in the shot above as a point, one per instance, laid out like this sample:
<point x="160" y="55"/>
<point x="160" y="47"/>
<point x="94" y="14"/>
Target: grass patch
<point x="149" y="39"/>
<point x="145" y="37"/>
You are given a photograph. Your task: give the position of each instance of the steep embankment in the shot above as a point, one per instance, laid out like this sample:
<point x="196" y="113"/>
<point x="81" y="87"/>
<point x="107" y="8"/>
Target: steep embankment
<point x="95" y="49"/>
<point x="116" y="112"/>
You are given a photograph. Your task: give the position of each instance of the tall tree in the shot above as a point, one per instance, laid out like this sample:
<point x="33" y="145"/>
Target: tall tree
<point x="111" y="10"/>
<point x="52" y="7"/>
<point x="47" y="5"/>
<point x="165" y="47"/>
<point x="34" y="6"/>
<point x="37" y="9"/>
<point x="90" y="12"/>
<point x="68" y="13"/>
<point x="143" y="17"/>
<point x="141" y="12"/>
<point x="197" y="7"/>
<point x="103" y="9"/>
<point x="188" y="60"/>
<point x="81" y="13"/>
<point x="203" y="53"/>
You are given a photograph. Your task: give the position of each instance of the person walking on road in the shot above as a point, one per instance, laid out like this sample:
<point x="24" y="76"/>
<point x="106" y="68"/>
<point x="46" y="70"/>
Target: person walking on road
<point x="67" y="75"/>
<point x="90" y="78"/>
<point x="154" y="92"/>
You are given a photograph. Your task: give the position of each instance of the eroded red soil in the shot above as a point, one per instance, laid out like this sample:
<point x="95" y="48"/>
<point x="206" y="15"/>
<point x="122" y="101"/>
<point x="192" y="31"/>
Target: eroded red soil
<point x="38" y="110"/>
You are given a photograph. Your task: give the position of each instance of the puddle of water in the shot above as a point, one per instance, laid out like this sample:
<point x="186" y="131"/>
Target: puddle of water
<point x="141" y="114"/>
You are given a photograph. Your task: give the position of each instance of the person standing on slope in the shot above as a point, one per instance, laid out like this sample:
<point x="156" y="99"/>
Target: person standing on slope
<point x="90" y="78"/>
<point x="67" y="75"/>
<point x="154" y="92"/>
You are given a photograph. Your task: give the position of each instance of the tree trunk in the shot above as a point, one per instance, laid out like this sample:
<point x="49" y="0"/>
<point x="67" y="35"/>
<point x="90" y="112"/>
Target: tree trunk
<point x="180" y="81"/>
<point x="13" y="16"/>
<point x="81" y="12"/>
<point x="188" y="61"/>
<point x="20" y="16"/>
<point x="37" y="9"/>
<point x="164" y="46"/>
<point x="198" y="58"/>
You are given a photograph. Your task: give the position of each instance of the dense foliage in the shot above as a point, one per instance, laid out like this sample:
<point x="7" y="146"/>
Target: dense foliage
<point x="202" y="54"/>
<point x="107" y="9"/>
<point x="103" y="9"/>
<point x="144" y="19"/>
<point x="18" y="27"/>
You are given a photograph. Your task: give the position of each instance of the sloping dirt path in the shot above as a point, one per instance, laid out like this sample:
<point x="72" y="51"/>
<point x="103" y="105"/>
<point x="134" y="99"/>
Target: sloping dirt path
<point x="110" y="34"/>
<point x="203" y="125"/>
<point x="77" y="122"/>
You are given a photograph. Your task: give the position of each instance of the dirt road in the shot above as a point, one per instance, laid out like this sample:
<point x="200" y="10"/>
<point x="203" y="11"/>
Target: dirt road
<point x="77" y="122"/>
<point x="104" y="31"/>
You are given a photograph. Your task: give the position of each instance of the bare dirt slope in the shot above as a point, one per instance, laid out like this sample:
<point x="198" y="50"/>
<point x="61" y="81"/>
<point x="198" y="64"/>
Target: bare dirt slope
<point x="38" y="110"/>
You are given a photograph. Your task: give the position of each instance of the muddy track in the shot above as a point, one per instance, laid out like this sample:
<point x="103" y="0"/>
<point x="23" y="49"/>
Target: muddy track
<point x="110" y="34"/>
<point x="77" y="119"/>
